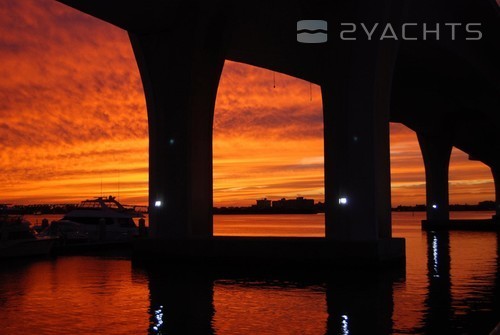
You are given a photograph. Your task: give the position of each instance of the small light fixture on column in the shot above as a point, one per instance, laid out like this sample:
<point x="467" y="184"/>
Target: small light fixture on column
<point x="343" y="201"/>
<point x="158" y="203"/>
<point x="434" y="206"/>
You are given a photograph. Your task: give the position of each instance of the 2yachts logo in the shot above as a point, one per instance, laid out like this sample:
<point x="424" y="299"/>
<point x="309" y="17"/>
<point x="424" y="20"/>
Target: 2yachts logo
<point x="316" y="31"/>
<point x="312" y="31"/>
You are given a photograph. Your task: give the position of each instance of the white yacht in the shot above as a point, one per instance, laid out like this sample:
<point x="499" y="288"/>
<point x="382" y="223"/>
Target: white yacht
<point x="102" y="219"/>
<point x="18" y="239"/>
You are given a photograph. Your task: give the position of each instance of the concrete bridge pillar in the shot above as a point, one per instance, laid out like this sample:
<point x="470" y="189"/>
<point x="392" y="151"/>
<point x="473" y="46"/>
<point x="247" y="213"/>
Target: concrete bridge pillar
<point x="436" y="152"/>
<point x="180" y="70"/>
<point x="356" y="136"/>
<point x="495" y="171"/>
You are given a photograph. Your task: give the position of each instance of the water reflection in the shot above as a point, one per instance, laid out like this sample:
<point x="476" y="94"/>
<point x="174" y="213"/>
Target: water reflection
<point x="439" y="301"/>
<point x="361" y="303"/>
<point x="181" y="302"/>
<point x="77" y="295"/>
<point x="451" y="286"/>
<point x="186" y="301"/>
<point x="459" y="302"/>
<point x="496" y="289"/>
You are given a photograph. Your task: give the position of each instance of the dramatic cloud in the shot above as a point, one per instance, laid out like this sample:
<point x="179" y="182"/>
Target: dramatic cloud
<point x="72" y="108"/>
<point x="73" y="122"/>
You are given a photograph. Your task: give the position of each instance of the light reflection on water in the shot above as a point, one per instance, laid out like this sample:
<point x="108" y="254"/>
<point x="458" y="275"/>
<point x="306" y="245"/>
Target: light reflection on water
<point x="80" y="295"/>
<point x="451" y="286"/>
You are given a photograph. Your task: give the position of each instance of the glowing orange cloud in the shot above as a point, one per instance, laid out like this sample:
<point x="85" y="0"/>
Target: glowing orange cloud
<point x="73" y="118"/>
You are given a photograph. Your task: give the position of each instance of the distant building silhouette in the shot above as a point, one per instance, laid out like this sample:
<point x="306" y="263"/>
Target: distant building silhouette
<point x="298" y="203"/>
<point x="263" y="204"/>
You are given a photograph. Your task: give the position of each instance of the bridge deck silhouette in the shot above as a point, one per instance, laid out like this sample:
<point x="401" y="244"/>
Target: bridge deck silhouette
<point x="447" y="91"/>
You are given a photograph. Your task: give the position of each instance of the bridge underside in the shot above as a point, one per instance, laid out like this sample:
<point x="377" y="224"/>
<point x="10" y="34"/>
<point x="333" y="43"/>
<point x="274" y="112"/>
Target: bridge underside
<point x="448" y="92"/>
<point x="274" y="253"/>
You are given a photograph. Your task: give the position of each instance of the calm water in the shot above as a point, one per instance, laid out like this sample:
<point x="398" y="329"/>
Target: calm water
<point x="451" y="286"/>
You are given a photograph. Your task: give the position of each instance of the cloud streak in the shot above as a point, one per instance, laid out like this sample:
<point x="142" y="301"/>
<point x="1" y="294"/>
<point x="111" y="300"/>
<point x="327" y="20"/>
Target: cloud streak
<point x="73" y="116"/>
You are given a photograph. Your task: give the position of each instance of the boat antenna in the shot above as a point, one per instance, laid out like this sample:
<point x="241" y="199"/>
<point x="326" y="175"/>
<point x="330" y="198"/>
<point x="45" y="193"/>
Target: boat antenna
<point x="101" y="186"/>
<point x="274" y="79"/>
<point x="118" y="185"/>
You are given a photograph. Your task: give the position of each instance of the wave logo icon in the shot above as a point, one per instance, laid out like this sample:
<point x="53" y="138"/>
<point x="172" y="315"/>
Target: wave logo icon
<point x="312" y="31"/>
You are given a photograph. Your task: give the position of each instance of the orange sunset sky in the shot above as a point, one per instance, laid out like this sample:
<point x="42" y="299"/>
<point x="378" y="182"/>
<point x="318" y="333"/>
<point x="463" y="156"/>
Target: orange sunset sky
<point x="73" y="115"/>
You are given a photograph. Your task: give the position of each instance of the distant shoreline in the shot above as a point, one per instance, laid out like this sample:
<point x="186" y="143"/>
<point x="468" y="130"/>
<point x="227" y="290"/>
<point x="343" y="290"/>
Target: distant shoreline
<point x="252" y="210"/>
<point x="317" y="208"/>
<point x="481" y="206"/>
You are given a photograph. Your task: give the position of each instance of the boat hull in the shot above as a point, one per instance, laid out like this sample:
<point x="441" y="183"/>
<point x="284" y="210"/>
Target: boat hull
<point x="25" y="248"/>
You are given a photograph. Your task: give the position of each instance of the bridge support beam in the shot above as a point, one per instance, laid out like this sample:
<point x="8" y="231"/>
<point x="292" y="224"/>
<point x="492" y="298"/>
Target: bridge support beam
<point x="436" y="152"/>
<point x="180" y="76"/>
<point x="356" y="138"/>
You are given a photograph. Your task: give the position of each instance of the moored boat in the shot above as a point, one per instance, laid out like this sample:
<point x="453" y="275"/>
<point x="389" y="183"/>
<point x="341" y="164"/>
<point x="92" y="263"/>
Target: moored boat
<point x="17" y="239"/>
<point x="96" y="220"/>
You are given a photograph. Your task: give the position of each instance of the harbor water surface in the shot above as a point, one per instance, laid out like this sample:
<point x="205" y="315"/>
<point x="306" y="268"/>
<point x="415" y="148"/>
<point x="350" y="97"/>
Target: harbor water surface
<point x="451" y="285"/>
